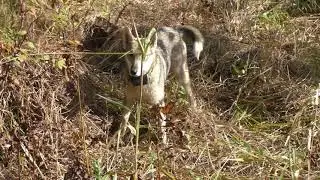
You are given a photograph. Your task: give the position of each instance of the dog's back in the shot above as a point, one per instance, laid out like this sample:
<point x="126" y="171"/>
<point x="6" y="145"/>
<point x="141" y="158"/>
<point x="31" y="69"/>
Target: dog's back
<point x="172" y="43"/>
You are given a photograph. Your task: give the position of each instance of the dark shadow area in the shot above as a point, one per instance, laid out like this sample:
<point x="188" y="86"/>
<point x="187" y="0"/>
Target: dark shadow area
<point x="100" y="74"/>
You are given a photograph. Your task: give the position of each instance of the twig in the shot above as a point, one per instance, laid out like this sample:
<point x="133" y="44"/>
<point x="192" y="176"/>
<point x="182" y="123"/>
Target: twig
<point x="114" y="102"/>
<point x="121" y="12"/>
<point x="83" y="130"/>
<point x="78" y="53"/>
<point x="26" y="151"/>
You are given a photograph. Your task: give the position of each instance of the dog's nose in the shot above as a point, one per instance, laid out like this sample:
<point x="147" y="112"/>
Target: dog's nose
<point x="133" y="71"/>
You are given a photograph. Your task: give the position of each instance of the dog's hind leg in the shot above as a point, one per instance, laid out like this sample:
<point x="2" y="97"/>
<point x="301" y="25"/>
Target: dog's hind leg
<point x="184" y="80"/>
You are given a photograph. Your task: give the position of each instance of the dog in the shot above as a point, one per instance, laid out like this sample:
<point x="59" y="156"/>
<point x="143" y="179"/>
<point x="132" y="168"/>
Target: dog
<point x="151" y="59"/>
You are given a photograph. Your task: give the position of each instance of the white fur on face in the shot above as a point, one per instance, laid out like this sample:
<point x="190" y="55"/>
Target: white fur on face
<point x="134" y="60"/>
<point x="135" y="66"/>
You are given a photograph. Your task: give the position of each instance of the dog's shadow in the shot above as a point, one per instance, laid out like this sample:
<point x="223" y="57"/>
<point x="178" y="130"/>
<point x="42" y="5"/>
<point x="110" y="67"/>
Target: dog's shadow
<point x="230" y="66"/>
<point x="88" y="100"/>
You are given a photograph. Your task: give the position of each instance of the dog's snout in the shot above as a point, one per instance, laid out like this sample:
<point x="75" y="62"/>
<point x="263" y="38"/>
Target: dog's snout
<point x="134" y="71"/>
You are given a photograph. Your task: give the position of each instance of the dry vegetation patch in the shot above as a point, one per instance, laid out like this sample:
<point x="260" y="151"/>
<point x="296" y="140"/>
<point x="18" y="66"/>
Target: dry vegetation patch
<point x="255" y="85"/>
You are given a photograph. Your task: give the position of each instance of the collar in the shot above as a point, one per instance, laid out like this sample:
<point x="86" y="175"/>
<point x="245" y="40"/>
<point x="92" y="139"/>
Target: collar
<point x="136" y="80"/>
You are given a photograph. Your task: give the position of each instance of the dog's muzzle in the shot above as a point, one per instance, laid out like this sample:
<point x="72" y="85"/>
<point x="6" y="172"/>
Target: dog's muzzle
<point x="136" y="80"/>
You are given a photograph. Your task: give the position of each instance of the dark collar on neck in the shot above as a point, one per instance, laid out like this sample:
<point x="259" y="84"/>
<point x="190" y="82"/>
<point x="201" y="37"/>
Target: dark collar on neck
<point x="136" y="80"/>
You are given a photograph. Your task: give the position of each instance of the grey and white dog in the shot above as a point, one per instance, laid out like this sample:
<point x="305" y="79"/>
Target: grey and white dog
<point x="164" y="52"/>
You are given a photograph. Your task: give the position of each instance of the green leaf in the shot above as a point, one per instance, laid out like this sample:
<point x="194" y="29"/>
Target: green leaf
<point x="31" y="45"/>
<point x="22" y="57"/>
<point x="22" y="33"/>
<point x="152" y="33"/>
<point x="60" y="64"/>
<point x="46" y="58"/>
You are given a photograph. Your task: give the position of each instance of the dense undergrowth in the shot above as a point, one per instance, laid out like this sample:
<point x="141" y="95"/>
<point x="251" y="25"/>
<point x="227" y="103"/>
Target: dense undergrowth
<point x="256" y="87"/>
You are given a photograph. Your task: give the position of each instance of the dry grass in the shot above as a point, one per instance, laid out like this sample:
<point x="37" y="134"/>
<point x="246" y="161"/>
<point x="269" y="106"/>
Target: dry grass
<point x="254" y="85"/>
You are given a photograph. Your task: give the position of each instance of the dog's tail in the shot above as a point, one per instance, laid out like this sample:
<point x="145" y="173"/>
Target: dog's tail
<point x="191" y="33"/>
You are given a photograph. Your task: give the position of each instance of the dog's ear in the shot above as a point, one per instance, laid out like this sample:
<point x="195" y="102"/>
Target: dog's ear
<point x="152" y="37"/>
<point x="127" y="37"/>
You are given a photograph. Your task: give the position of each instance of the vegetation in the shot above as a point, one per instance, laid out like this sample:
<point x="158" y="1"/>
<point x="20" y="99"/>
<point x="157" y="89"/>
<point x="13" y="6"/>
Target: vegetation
<point x="256" y="86"/>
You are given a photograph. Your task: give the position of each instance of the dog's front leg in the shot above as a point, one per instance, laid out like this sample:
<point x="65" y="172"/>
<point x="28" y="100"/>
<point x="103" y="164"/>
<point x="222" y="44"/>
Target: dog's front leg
<point x="163" y="124"/>
<point x="125" y="118"/>
<point x="163" y="128"/>
<point x="124" y="122"/>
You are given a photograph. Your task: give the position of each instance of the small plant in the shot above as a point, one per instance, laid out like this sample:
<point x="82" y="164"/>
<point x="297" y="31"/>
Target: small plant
<point x="60" y="63"/>
<point x="182" y="95"/>
<point x="98" y="172"/>
<point x="151" y="169"/>
<point x="273" y="19"/>
<point x="61" y="19"/>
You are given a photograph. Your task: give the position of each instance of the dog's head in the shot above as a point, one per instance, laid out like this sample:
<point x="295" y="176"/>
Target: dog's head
<point x="141" y="52"/>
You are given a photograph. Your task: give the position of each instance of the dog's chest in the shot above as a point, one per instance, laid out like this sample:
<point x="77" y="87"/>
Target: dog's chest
<point x="153" y="91"/>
